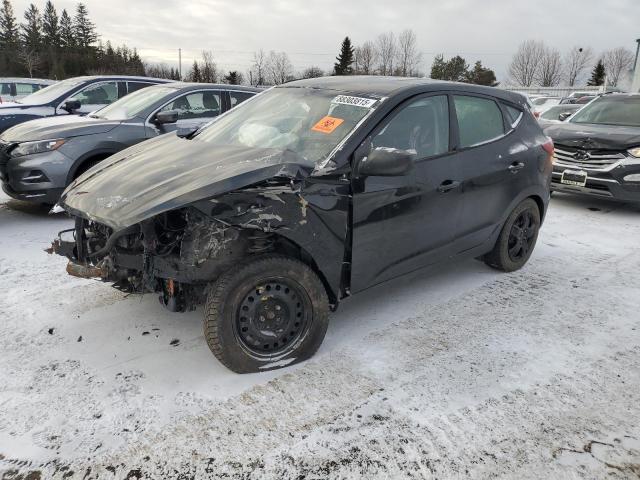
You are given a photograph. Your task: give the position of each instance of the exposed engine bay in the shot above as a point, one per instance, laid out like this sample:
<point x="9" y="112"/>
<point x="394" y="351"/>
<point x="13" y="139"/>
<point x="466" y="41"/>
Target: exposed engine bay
<point x="179" y="252"/>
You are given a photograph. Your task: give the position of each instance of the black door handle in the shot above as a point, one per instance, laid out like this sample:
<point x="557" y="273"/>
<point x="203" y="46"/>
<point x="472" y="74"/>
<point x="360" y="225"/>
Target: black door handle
<point x="448" y="185"/>
<point x="516" y="167"/>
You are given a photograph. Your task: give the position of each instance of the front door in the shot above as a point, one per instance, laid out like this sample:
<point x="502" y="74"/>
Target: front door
<point x="403" y="223"/>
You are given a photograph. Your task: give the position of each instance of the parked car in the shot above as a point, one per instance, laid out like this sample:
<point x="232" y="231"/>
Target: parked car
<point x="557" y="114"/>
<point x="38" y="159"/>
<point x="78" y="95"/>
<point x="598" y="149"/>
<point x="12" y="89"/>
<point x="577" y="100"/>
<point x="542" y="104"/>
<point x="309" y="193"/>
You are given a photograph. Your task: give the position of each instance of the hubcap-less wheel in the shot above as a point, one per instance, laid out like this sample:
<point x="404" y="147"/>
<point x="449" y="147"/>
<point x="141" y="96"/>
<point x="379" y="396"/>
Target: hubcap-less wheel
<point x="272" y="316"/>
<point x="521" y="236"/>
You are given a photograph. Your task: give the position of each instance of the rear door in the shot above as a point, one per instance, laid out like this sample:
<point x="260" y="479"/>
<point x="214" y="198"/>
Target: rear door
<point x="403" y="223"/>
<point x="493" y="160"/>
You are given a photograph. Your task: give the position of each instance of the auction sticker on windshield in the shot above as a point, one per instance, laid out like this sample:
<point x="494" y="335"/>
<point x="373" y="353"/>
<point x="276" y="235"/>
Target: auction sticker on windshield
<point x="327" y="124"/>
<point x="355" y="101"/>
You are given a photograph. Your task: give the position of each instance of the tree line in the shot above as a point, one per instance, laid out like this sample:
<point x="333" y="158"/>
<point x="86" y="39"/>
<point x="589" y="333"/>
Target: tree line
<point x="51" y="45"/>
<point x="536" y="64"/>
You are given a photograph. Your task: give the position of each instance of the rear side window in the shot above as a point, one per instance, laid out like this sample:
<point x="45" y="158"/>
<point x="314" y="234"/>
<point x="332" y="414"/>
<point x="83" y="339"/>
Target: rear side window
<point x="26" y="88"/>
<point x="135" y="86"/>
<point x="239" y="97"/>
<point x="479" y="120"/>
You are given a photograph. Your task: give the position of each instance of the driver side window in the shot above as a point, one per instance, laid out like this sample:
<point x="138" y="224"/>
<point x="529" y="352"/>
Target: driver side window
<point x="196" y="105"/>
<point x="98" y="94"/>
<point x="421" y="127"/>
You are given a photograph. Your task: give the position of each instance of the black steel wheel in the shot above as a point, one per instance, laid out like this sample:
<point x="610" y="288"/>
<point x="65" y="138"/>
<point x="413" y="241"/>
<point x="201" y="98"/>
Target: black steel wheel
<point x="517" y="238"/>
<point x="272" y="316"/>
<point x="267" y="313"/>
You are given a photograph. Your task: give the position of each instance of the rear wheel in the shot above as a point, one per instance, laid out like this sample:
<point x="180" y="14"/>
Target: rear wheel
<point x="266" y="314"/>
<point x="517" y="238"/>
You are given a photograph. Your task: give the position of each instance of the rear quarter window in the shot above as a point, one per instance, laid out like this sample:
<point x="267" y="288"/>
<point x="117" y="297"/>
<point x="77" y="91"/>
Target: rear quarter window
<point x="513" y="115"/>
<point x="479" y="120"/>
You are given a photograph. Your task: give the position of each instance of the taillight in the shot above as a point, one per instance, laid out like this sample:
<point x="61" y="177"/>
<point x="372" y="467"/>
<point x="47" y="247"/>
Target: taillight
<point x="549" y="148"/>
<point x="536" y="114"/>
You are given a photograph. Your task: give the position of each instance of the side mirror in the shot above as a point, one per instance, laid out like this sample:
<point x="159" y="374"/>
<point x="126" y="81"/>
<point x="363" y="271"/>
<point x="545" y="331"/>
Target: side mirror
<point x="71" y="105"/>
<point x="386" y="162"/>
<point x="170" y="116"/>
<point x="563" y="116"/>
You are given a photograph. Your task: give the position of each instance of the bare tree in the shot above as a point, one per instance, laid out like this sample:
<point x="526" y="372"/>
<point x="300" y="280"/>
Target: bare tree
<point x="616" y="63"/>
<point x="550" y="68"/>
<point x="408" y="56"/>
<point x="208" y="68"/>
<point x="279" y="67"/>
<point x="576" y="62"/>
<point x="257" y="72"/>
<point x="386" y="52"/>
<point x="365" y="58"/>
<point x="525" y="63"/>
<point x="30" y="59"/>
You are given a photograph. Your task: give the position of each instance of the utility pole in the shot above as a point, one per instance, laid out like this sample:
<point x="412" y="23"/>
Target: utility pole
<point x="180" y="62"/>
<point x="635" y="85"/>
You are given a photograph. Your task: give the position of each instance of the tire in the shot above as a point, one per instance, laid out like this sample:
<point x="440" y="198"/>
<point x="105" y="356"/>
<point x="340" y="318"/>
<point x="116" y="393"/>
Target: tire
<point x="87" y="166"/>
<point x="517" y="238"/>
<point x="266" y="314"/>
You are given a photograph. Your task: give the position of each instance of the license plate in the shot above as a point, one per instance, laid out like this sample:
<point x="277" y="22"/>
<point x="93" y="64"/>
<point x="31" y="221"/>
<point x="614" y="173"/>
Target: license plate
<point x="574" y="177"/>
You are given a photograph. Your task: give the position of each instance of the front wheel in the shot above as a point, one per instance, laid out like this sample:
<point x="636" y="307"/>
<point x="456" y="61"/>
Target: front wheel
<point x="517" y="238"/>
<point x="266" y="314"/>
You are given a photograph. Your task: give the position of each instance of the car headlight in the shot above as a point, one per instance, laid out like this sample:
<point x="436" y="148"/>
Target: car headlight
<point x="41" y="146"/>
<point x="634" y="152"/>
<point x="634" y="177"/>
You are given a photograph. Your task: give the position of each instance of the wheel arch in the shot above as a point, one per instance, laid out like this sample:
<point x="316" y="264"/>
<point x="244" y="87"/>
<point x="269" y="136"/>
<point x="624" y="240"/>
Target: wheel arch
<point x="86" y="158"/>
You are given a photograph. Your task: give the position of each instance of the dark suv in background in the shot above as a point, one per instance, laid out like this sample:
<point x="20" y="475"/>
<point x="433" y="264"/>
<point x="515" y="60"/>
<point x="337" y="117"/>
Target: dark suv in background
<point x="39" y="158"/>
<point x="72" y="96"/>
<point x="598" y="149"/>
<point x="309" y="193"/>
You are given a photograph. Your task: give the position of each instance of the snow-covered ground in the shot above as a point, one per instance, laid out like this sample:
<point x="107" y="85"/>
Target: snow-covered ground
<point x="461" y="372"/>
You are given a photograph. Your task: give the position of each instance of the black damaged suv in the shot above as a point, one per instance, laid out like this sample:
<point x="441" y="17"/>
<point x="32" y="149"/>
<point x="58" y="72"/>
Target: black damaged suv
<point x="307" y="194"/>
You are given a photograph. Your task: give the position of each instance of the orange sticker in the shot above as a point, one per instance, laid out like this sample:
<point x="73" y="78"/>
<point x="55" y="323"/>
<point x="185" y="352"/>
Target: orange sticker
<point x="327" y="124"/>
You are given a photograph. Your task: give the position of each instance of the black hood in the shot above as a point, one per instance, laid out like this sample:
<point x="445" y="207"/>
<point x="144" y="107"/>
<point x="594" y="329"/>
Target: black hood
<point x="591" y="136"/>
<point x="57" y="127"/>
<point x="168" y="173"/>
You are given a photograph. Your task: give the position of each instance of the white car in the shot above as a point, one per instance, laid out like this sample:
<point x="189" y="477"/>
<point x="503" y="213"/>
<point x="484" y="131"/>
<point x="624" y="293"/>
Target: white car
<point x="542" y="104"/>
<point x="12" y="89"/>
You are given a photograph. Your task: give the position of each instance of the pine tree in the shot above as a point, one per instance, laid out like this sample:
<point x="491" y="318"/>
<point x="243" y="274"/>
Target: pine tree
<point x="194" y="75"/>
<point x="31" y="34"/>
<point x="598" y="75"/>
<point x="9" y="40"/>
<point x="50" y="26"/>
<point x="9" y="34"/>
<point x="481" y="76"/>
<point x="67" y="34"/>
<point x="344" y="61"/>
<point x="85" y="30"/>
<point x="438" y="67"/>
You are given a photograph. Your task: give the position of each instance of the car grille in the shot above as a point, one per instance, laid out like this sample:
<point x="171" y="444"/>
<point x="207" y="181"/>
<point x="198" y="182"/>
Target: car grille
<point x="587" y="159"/>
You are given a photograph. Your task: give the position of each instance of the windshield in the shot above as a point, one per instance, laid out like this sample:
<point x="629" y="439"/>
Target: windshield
<point x="620" y="110"/>
<point x="133" y="104"/>
<point x="308" y="122"/>
<point x="50" y="93"/>
<point x="554" y="112"/>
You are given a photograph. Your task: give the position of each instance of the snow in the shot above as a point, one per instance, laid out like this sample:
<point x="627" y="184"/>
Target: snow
<point x="461" y="371"/>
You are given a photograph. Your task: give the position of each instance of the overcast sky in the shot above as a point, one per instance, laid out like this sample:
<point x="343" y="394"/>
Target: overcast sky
<point x="311" y="31"/>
